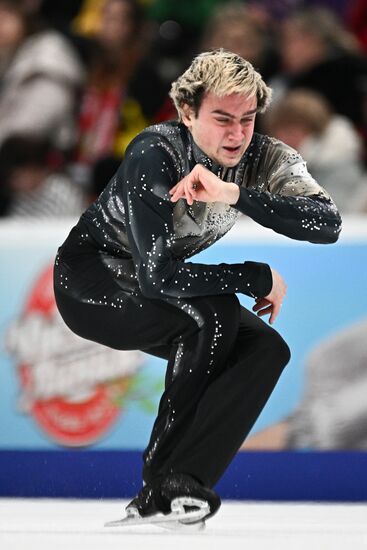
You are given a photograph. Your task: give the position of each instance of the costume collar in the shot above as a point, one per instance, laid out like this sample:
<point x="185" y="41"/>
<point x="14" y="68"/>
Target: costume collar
<point x="201" y="158"/>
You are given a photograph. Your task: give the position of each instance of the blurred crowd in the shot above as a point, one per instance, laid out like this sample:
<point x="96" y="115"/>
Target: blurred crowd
<point x="80" y="78"/>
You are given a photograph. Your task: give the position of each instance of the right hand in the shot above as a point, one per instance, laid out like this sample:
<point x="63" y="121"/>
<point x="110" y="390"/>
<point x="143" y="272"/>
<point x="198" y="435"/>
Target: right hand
<point x="272" y="303"/>
<point x="204" y="186"/>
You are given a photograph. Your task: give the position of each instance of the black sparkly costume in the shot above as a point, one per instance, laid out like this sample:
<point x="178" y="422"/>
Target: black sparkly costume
<point x="121" y="279"/>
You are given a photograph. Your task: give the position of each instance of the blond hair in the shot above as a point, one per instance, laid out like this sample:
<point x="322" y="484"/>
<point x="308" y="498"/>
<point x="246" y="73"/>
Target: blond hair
<point x="222" y="73"/>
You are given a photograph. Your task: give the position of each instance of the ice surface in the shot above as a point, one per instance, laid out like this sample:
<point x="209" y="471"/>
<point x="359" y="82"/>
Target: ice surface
<point x="78" y="525"/>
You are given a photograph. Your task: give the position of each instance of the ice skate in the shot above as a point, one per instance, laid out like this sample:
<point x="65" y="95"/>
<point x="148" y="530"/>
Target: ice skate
<point x="180" y="503"/>
<point x="182" y="486"/>
<point x="178" y="517"/>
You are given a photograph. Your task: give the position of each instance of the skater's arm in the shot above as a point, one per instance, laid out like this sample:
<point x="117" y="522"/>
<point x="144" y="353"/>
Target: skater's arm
<point x="313" y="218"/>
<point x="293" y="204"/>
<point x="145" y="182"/>
<point x="290" y="201"/>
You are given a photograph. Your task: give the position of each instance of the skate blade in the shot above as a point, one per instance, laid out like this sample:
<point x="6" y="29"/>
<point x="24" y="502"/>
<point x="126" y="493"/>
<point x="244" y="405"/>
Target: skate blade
<point x="178" y="518"/>
<point x="170" y="525"/>
<point x="183" y="527"/>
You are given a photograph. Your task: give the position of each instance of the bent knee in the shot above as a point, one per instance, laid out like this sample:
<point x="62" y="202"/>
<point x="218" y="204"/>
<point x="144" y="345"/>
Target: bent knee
<point x="277" y="347"/>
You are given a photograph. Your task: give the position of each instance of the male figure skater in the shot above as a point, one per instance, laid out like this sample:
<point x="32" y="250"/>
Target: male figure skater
<point x="122" y="279"/>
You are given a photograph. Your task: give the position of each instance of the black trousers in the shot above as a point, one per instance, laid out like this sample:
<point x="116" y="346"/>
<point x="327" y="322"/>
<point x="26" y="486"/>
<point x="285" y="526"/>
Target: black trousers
<point x="223" y="363"/>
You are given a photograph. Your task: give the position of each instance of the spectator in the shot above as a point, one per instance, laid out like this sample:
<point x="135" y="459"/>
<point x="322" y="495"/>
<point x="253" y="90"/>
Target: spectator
<point x="117" y="50"/>
<point x="328" y="142"/>
<point x="40" y="76"/>
<point x="118" y="101"/>
<point x="356" y="18"/>
<point x="319" y="54"/>
<point x="239" y="28"/>
<point x="30" y="187"/>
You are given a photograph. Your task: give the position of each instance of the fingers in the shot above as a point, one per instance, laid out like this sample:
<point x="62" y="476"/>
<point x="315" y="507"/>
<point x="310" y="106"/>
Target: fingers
<point x="270" y="310"/>
<point x="178" y="194"/>
<point x="262" y="307"/>
<point x="178" y="191"/>
<point x="265" y="307"/>
<point x="199" y="185"/>
<point x="189" y="192"/>
<point x="260" y="303"/>
<point x="274" y="313"/>
<point x="265" y="311"/>
<point x="185" y="189"/>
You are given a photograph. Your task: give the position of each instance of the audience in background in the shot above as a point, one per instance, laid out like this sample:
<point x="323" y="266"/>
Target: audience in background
<point x="318" y="53"/>
<point x="237" y="28"/>
<point x="122" y="94"/>
<point x="40" y="77"/>
<point x="356" y="18"/>
<point x="328" y="143"/>
<point x="131" y="50"/>
<point x="31" y="186"/>
<point x="117" y="52"/>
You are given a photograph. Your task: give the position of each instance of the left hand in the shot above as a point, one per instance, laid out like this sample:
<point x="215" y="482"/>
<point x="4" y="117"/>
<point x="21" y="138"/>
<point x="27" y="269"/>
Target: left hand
<point x="272" y="303"/>
<point x="202" y="185"/>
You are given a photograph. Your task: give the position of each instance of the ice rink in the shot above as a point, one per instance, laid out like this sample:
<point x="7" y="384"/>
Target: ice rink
<point x="78" y="525"/>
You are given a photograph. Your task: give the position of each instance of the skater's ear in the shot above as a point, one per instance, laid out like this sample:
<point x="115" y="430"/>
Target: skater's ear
<point x="188" y="114"/>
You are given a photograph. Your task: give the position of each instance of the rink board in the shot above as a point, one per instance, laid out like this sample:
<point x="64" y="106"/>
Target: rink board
<point x="49" y="449"/>
<point x="266" y="476"/>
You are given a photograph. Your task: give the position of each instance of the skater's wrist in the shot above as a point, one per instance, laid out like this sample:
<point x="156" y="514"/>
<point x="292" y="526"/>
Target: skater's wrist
<point x="259" y="279"/>
<point x="230" y="193"/>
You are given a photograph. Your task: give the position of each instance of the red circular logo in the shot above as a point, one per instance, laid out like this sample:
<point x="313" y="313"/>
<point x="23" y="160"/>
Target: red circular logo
<point x="72" y="387"/>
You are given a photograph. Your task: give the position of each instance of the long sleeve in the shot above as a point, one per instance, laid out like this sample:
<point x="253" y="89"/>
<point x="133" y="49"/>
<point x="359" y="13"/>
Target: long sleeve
<point x="147" y="174"/>
<point x="314" y="219"/>
<point x="293" y="204"/>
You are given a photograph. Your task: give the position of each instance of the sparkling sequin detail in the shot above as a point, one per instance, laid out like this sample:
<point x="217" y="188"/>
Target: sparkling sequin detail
<point x="143" y="240"/>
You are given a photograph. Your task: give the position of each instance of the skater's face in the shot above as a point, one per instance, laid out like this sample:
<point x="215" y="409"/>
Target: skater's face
<point x="223" y="127"/>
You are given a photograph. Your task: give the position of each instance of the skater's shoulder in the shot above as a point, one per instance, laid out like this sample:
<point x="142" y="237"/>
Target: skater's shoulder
<point x="262" y="145"/>
<point x="168" y="139"/>
<point x="170" y="132"/>
<point x="169" y="128"/>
